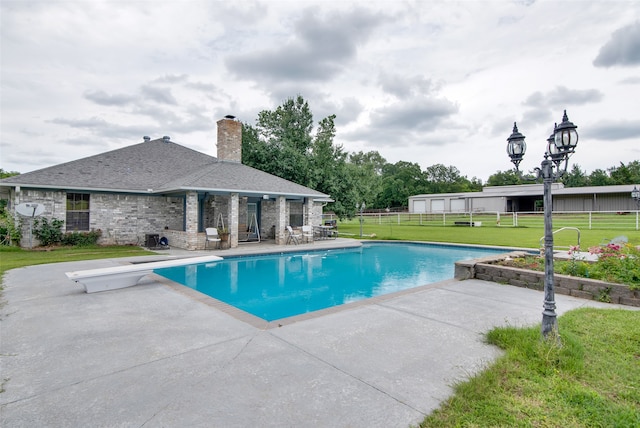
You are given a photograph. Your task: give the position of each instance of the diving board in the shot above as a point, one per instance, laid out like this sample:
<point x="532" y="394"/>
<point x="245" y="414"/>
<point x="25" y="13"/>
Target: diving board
<point x="113" y="278"/>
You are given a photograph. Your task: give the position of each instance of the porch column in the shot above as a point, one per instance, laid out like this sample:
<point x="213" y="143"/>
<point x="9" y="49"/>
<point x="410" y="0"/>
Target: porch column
<point x="191" y="220"/>
<point x="233" y="214"/>
<point x="308" y="212"/>
<point x="281" y="220"/>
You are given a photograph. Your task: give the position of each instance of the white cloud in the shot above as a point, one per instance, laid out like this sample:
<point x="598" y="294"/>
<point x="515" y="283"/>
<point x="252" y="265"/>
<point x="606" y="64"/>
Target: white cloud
<point x="428" y="82"/>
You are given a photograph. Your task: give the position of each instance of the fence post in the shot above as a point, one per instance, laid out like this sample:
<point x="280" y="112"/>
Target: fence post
<point x="589" y="220"/>
<point x="444" y="218"/>
<point x="421" y="219"/>
<point x="515" y="219"/>
<point x="470" y="219"/>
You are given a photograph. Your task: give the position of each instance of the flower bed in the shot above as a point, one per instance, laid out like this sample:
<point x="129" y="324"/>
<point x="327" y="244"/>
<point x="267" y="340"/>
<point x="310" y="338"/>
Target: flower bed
<point x="493" y="269"/>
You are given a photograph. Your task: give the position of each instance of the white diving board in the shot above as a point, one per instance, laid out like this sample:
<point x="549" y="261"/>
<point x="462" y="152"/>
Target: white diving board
<point x="113" y="278"/>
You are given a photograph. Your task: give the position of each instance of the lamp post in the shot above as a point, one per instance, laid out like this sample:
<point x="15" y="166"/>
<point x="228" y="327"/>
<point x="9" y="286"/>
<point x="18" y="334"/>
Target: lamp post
<point x="635" y="195"/>
<point x="361" y="207"/>
<point x="560" y="145"/>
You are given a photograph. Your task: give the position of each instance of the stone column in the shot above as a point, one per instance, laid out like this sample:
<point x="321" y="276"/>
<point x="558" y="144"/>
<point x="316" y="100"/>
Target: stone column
<point x="281" y="220"/>
<point x="191" y="217"/>
<point x="308" y="212"/>
<point x="233" y="214"/>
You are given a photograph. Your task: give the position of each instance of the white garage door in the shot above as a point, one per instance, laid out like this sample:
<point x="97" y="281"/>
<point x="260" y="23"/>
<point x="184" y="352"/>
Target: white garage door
<point x="457" y="205"/>
<point x="419" y="206"/>
<point x="437" y="205"/>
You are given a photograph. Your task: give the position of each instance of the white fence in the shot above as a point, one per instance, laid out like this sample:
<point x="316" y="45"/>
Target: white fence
<point x="629" y="220"/>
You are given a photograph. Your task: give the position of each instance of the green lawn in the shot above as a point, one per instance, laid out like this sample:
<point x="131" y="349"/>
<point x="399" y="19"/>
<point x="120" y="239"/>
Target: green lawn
<point x="592" y="380"/>
<point x="525" y="237"/>
<point x="13" y="257"/>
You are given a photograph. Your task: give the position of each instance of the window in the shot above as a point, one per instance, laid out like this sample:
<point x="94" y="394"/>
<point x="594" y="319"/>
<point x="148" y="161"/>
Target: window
<point x="77" y="211"/>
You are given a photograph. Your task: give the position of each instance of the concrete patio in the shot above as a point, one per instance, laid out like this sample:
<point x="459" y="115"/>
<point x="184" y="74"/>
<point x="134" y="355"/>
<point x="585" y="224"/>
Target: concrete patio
<point x="154" y="356"/>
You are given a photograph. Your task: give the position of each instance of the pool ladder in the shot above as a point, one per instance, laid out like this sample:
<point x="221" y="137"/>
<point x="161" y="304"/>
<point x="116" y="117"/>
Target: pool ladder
<point x="559" y="230"/>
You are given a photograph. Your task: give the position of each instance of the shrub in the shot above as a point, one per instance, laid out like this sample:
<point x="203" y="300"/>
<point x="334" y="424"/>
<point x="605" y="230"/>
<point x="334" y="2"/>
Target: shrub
<point x="9" y="233"/>
<point x="617" y="263"/>
<point x="81" y="239"/>
<point x="48" y="233"/>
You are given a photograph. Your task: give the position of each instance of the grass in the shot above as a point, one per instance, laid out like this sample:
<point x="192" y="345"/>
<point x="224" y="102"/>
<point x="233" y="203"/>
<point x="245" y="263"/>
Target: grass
<point x="523" y="237"/>
<point x="592" y="380"/>
<point x="14" y="257"/>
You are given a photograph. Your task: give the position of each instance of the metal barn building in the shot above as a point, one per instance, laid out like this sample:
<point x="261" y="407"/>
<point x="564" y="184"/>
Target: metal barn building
<point x="527" y="198"/>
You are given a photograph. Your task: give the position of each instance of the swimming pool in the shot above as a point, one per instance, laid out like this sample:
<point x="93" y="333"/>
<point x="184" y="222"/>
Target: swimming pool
<point x="277" y="286"/>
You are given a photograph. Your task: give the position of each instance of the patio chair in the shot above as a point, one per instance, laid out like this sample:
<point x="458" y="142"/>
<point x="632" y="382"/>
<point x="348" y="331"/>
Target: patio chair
<point x="212" y="236"/>
<point x="307" y="233"/>
<point x="293" y="238"/>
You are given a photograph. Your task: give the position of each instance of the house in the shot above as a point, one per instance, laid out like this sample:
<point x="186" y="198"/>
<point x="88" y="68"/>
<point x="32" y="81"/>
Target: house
<point x="159" y="187"/>
<point x="527" y="197"/>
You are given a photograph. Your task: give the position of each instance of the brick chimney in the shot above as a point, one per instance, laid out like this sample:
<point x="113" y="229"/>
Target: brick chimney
<point x="229" y="139"/>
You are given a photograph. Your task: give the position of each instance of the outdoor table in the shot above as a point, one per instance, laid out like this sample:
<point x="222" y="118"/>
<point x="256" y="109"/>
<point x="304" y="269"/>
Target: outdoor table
<point x="325" y="232"/>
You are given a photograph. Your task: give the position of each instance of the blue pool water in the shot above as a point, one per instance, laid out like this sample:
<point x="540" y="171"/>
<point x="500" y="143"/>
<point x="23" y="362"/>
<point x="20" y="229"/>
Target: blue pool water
<point x="283" y="285"/>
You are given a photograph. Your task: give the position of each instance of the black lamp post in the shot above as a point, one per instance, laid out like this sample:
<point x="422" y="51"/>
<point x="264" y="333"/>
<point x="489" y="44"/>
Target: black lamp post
<point x="635" y="195"/>
<point x="560" y="145"/>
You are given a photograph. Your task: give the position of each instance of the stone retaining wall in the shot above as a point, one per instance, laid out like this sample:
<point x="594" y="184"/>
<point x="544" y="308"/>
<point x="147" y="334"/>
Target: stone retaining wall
<point x="563" y="284"/>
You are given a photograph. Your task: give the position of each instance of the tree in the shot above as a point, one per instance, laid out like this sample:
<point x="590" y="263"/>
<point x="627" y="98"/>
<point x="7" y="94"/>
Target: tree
<point x="282" y="144"/>
<point x="282" y="140"/>
<point x="399" y="181"/>
<point x="504" y="178"/>
<point x="365" y="171"/>
<point x="328" y="171"/>
<point x="599" y="177"/>
<point x="447" y="179"/>
<point x="625" y="174"/>
<point x="5" y="174"/>
<point x="575" y="178"/>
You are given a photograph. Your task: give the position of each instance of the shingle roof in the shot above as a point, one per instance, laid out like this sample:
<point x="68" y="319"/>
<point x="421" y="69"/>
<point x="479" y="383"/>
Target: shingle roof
<point x="159" y="167"/>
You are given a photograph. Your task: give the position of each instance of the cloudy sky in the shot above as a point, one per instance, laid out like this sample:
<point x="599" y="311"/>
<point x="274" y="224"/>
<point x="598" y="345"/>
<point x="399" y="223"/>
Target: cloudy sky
<point x="420" y="81"/>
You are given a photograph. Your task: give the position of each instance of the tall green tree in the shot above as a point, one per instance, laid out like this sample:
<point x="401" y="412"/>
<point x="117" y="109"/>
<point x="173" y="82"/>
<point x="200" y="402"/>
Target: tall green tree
<point x="365" y="171"/>
<point x="599" y="177"/>
<point x="576" y="177"/>
<point x="285" y="137"/>
<point x="328" y="172"/>
<point x="282" y="143"/>
<point x="399" y="181"/>
<point x="625" y="174"/>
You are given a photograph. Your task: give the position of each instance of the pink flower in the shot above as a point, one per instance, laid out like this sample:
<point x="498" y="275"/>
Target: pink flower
<point x="595" y="250"/>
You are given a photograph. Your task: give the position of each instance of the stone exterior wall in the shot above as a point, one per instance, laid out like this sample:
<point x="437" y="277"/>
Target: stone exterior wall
<point x="126" y="219"/>
<point x="584" y="288"/>
<point x="55" y="206"/>
<point x="123" y="219"/>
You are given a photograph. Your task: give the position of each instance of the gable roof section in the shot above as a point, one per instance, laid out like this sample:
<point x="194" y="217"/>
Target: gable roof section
<point x="157" y="167"/>
<point x="222" y="176"/>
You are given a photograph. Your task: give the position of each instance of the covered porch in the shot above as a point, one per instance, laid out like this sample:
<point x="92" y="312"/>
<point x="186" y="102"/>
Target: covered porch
<point x="247" y="217"/>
